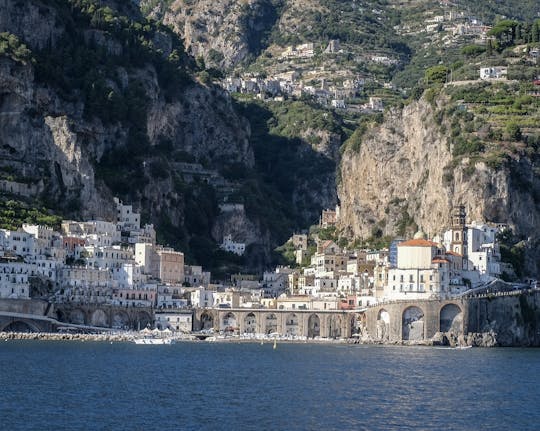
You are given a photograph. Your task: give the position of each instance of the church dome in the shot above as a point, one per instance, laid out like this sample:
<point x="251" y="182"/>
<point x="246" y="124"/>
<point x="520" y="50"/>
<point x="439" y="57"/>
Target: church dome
<point x="419" y="235"/>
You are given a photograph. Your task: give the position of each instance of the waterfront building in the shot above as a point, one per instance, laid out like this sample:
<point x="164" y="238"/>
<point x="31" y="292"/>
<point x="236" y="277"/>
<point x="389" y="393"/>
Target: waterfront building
<point x="176" y="321"/>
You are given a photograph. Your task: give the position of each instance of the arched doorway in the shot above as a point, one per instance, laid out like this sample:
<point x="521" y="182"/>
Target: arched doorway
<point x="413" y="324"/>
<point x="334" y="327"/>
<point x="207" y="321"/>
<point x="99" y="318"/>
<point x="314" y="326"/>
<point x="451" y="319"/>
<point x="291" y="324"/>
<point x="270" y="324"/>
<point x="229" y="323"/>
<point x="383" y="325"/>
<point x="250" y="324"/>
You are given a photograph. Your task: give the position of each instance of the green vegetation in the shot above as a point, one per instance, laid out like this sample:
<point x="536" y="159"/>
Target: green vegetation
<point x="436" y="74"/>
<point x="11" y="46"/>
<point x="512" y="251"/>
<point x="14" y="213"/>
<point x="97" y="41"/>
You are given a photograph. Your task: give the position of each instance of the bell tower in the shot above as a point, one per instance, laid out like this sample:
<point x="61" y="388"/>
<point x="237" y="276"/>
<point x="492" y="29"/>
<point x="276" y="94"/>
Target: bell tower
<point x="459" y="233"/>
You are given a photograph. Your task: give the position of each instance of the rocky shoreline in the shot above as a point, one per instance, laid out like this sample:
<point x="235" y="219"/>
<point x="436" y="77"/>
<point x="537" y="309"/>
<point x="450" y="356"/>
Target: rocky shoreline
<point x="488" y="339"/>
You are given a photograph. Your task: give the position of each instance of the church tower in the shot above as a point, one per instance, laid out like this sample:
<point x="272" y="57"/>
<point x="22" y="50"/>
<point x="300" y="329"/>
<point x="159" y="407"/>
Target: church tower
<point x="459" y="233"/>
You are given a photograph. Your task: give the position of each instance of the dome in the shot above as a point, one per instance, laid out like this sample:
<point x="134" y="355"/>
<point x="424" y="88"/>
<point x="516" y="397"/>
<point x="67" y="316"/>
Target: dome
<point x="419" y="235"/>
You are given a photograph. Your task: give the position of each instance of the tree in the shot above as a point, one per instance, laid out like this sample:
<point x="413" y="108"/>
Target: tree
<point x="513" y="131"/>
<point x="505" y="32"/>
<point x="436" y="74"/>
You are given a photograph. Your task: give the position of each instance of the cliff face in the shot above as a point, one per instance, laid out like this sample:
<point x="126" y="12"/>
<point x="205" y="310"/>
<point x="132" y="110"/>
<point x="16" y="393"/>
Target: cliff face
<point x="76" y="159"/>
<point x="513" y="320"/>
<point x="403" y="173"/>
<point x="223" y="32"/>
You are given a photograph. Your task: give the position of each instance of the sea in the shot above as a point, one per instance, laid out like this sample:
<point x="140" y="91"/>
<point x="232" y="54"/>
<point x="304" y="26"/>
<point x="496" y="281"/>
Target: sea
<point x="246" y="386"/>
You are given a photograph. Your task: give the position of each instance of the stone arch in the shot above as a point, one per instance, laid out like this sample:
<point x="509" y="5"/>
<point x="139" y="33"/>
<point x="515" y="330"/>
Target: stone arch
<point x="270" y="323"/>
<point x="60" y="316"/>
<point x="451" y="319"/>
<point x="292" y="324"/>
<point x="20" y="326"/>
<point x="143" y="320"/>
<point x="250" y="323"/>
<point x="413" y="324"/>
<point x="229" y="323"/>
<point x="383" y="325"/>
<point x="314" y="326"/>
<point x="120" y="320"/>
<point x="99" y="318"/>
<point x="334" y="326"/>
<point x="206" y="321"/>
<point x="77" y="316"/>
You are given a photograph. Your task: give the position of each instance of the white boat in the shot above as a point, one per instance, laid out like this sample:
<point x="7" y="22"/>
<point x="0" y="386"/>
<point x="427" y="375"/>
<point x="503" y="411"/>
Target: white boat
<point x="463" y="347"/>
<point x="153" y="340"/>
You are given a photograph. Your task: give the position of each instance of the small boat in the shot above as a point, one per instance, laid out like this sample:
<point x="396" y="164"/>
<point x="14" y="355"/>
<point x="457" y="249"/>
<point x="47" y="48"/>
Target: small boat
<point x="462" y="347"/>
<point x="275" y="344"/>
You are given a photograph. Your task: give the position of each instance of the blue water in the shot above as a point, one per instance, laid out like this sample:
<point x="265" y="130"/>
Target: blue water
<point x="213" y="386"/>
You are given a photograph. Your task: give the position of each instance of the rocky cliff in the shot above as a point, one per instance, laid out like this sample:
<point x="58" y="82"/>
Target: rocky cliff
<point x="402" y="175"/>
<point x="115" y="127"/>
<point x="224" y="32"/>
<point x="511" y="320"/>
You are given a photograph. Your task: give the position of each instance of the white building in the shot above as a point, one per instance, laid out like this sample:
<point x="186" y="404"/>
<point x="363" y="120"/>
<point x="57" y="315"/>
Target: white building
<point x="178" y="321"/>
<point x="231" y="246"/>
<point x="422" y="272"/>
<point x="126" y="218"/>
<point x="202" y="298"/>
<point x="493" y="72"/>
<point x="14" y="279"/>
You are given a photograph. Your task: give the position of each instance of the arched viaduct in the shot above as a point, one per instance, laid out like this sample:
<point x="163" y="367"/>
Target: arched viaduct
<point x="307" y="323"/>
<point x="106" y="316"/>
<point x="415" y="320"/>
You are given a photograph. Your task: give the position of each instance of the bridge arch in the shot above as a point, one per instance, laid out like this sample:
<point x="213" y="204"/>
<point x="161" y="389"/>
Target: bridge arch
<point x="250" y="323"/>
<point x="206" y="321"/>
<point x="314" y="326"/>
<point x="229" y="323"/>
<point x="20" y="326"/>
<point x="383" y="325"/>
<point x="99" y="318"/>
<point x="334" y="326"/>
<point x="143" y="320"/>
<point x="120" y="320"/>
<point x="413" y="323"/>
<point x="292" y="324"/>
<point x="270" y="324"/>
<point x="451" y="319"/>
<point x="77" y="316"/>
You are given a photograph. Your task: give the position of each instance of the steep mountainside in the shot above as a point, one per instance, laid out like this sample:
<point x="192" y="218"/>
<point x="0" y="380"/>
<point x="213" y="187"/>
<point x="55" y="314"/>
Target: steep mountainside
<point x="98" y="102"/>
<point x="103" y="104"/>
<point x="405" y="175"/>
<point x="223" y="32"/>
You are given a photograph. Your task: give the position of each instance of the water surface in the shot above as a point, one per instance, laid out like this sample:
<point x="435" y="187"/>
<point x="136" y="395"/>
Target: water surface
<point x="215" y="386"/>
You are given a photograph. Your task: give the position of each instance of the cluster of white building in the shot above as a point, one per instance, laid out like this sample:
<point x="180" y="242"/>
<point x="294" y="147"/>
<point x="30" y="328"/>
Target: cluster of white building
<point x="114" y="262"/>
<point x="463" y="257"/>
<point x="288" y="85"/>
<point x="119" y="263"/>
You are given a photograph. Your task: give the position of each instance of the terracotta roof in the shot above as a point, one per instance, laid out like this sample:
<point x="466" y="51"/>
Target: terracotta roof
<point x="439" y="260"/>
<point x="418" y="243"/>
<point x="453" y="253"/>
